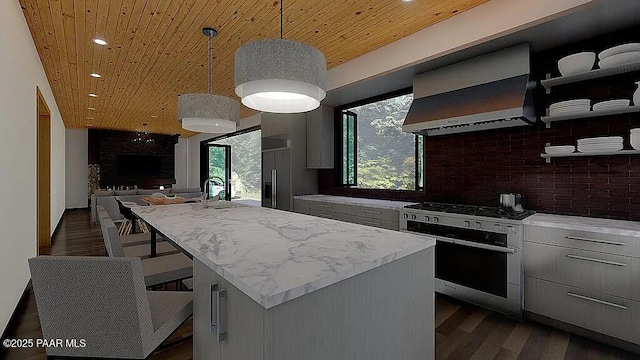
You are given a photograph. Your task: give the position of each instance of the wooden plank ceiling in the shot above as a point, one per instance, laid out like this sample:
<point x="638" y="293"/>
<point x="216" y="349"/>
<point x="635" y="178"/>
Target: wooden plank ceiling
<point x="156" y="49"/>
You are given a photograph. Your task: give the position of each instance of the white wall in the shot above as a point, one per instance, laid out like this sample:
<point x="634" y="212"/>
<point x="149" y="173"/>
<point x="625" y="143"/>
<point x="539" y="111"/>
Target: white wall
<point x="21" y="71"/>
<point x="77" y="173"/>
<point x="181" y="163"/>
<point x="193" y="149"/>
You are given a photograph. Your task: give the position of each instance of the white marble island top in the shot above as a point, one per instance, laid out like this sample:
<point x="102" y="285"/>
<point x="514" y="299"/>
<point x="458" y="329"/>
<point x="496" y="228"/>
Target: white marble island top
<point x="376" y="203"/>
<point x="274" y="256"/>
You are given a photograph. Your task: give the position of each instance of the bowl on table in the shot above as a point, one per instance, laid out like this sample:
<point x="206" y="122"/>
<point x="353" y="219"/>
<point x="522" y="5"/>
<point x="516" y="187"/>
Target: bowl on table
<point x="577" y="63"/>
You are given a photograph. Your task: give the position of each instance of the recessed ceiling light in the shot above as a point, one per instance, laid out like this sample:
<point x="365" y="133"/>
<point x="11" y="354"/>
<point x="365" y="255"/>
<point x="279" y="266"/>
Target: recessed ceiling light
<point x="407" y="0"/>
<point x="154" y="116"/>
<point x="91" y="108"/>
<point x="99" y="41"/>
<point x="95" y="75"/>
<point x="93" y="95"/>
<point x="89" y="118"/>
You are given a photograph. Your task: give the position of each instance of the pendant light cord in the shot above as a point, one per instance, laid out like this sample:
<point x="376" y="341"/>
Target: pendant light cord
<point x="281" y="19"/>
<point x="210" y="66"/>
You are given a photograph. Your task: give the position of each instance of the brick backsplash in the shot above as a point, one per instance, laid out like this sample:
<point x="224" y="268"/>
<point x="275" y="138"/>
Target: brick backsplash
<point x="491" y="162"/>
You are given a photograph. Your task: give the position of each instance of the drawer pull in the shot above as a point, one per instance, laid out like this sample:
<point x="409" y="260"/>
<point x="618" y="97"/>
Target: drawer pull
<point x="371" y="211"/>
<point x="596" y="260"/>
<point x="598" y="301"/>
<point x="595" y="240"/>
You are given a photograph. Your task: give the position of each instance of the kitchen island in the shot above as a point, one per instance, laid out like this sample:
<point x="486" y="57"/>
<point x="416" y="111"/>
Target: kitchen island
<point x="271" y="284"/>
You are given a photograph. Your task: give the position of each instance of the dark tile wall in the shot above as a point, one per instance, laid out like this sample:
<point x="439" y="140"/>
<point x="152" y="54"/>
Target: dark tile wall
<point x="473" y="168"/>
<point x="106" y="145"/>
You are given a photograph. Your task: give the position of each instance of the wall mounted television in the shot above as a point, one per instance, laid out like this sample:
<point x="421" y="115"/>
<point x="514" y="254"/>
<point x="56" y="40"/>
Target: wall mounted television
<point x="139" y="165"/>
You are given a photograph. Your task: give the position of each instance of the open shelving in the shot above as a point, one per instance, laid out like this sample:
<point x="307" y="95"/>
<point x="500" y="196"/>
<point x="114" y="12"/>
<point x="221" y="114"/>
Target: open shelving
<point x="590" y="75"/>
<point x="580" y="154"/>
<point x="583" y="115"/>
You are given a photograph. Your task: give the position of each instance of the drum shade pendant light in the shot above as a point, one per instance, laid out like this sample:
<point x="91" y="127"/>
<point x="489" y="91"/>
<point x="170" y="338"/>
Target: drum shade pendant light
<point x="280" y="76"/>
<point x="208" y="113"/>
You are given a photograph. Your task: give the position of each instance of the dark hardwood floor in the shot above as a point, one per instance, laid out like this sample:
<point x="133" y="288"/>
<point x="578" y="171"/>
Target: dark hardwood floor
<point x="463" y="331"/>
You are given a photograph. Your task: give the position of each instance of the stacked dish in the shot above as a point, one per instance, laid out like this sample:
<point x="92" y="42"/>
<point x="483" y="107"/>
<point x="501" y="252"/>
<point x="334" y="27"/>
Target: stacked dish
<point x="619" y="55"/>
<point x="611" y="104"/>
<point x="570" y="107"/>
<point x="600" y="144"/>
<point x="560" y="150"/>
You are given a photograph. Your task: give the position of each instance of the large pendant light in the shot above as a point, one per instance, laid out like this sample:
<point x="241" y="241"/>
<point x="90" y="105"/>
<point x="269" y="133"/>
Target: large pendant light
<point x="280" y="76"/>
<point x="208" y="113"/>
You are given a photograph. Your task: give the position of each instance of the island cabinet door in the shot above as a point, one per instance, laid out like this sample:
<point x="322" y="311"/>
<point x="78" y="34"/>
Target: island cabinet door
<point x="205" y="341"/>
<point x="242" y="321"/>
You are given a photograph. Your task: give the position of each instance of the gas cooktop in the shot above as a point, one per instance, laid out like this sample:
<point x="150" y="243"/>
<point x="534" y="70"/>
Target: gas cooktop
<point x="471" y="210"/>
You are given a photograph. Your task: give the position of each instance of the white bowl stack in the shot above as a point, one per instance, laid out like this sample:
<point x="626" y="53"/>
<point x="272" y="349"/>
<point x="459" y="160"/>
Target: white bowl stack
<point x="619" y="55"/>
<point x="611" y="104"/>
<point x="576" y="63"/>
<point x="600" y="144"/>
<point x="570" y="107"/>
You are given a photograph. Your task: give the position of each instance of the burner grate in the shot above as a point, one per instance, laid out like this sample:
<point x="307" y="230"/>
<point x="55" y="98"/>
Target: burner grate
<point x="485" y="211"/>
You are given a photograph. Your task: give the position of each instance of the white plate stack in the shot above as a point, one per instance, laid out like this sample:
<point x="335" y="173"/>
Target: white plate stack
<point x="619" y="55"/>
<point x="560" y="150"/>
<point x="611" y="104"/>
<point x="570" y="107"/>
<point x="600" y="144"/>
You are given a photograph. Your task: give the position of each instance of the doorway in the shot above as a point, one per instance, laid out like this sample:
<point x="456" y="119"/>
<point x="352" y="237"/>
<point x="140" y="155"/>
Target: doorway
<point x="43" y="172"/>
<point x="219" y="171"/>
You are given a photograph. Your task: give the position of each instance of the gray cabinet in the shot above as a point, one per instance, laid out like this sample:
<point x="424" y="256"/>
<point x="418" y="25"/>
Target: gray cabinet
<point x="301" y="206"/>
<point x="320" y="138"/>
<point x="275" y="125"/>
<point x="206" y="345"/>
<point x="380" y="314"/>
<point x="586" y="279"/>
<point x="356" y="214"/>
<point x="284" y="144"/>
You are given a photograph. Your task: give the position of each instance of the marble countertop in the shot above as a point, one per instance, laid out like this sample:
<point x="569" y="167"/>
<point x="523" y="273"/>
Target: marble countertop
<point x="274" y="256"/>
<point x="617" y="227"/>
<point x="385" y="204"/>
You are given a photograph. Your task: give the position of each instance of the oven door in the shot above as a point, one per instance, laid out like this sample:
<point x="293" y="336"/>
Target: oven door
<point x="474" y="267"/>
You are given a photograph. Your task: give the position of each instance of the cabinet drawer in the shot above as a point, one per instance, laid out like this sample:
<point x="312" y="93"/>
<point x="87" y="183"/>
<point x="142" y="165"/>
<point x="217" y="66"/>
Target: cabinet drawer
<point x="327" y="214"/>
<point x="584" y="240"/>
<point x="301" y="206"/>
<point x="606" y="314"/>
<point x="329" y="206"/>
<point x="610" y="274"/>
<point x="374" y="213"/>
<point x="379" y="223"/>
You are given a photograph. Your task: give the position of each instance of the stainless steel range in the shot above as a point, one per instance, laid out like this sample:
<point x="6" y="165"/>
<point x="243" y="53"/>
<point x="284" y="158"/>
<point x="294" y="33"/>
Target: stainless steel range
<point x="478" y="252"/>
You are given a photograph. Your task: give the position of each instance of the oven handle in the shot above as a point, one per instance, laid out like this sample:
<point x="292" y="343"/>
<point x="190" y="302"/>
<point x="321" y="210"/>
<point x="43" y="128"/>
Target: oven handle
<point x="467" y="243"/>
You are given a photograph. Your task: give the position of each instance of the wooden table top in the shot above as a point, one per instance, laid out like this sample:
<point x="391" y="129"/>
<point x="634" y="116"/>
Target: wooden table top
<point x="165" y="201"/>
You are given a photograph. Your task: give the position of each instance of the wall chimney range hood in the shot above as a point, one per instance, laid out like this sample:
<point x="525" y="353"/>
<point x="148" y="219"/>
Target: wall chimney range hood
<point x="488" y="92"/>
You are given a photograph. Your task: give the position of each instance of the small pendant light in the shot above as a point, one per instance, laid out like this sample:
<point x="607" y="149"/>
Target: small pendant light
<point x="208" y="113"/>
<point x="280" y="76"/>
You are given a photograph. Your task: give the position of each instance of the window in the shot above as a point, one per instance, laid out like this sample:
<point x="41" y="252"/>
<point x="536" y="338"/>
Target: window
<point x="245" y="164"/>
<point x="376" y="153"/>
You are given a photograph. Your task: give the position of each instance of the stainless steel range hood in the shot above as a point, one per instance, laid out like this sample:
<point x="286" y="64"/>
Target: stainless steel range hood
<point x="487" y="92"/>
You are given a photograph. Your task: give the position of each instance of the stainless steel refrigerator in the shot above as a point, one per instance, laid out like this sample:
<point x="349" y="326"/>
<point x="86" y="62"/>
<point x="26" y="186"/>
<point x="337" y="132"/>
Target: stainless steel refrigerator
<point x="276" y="179"/>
